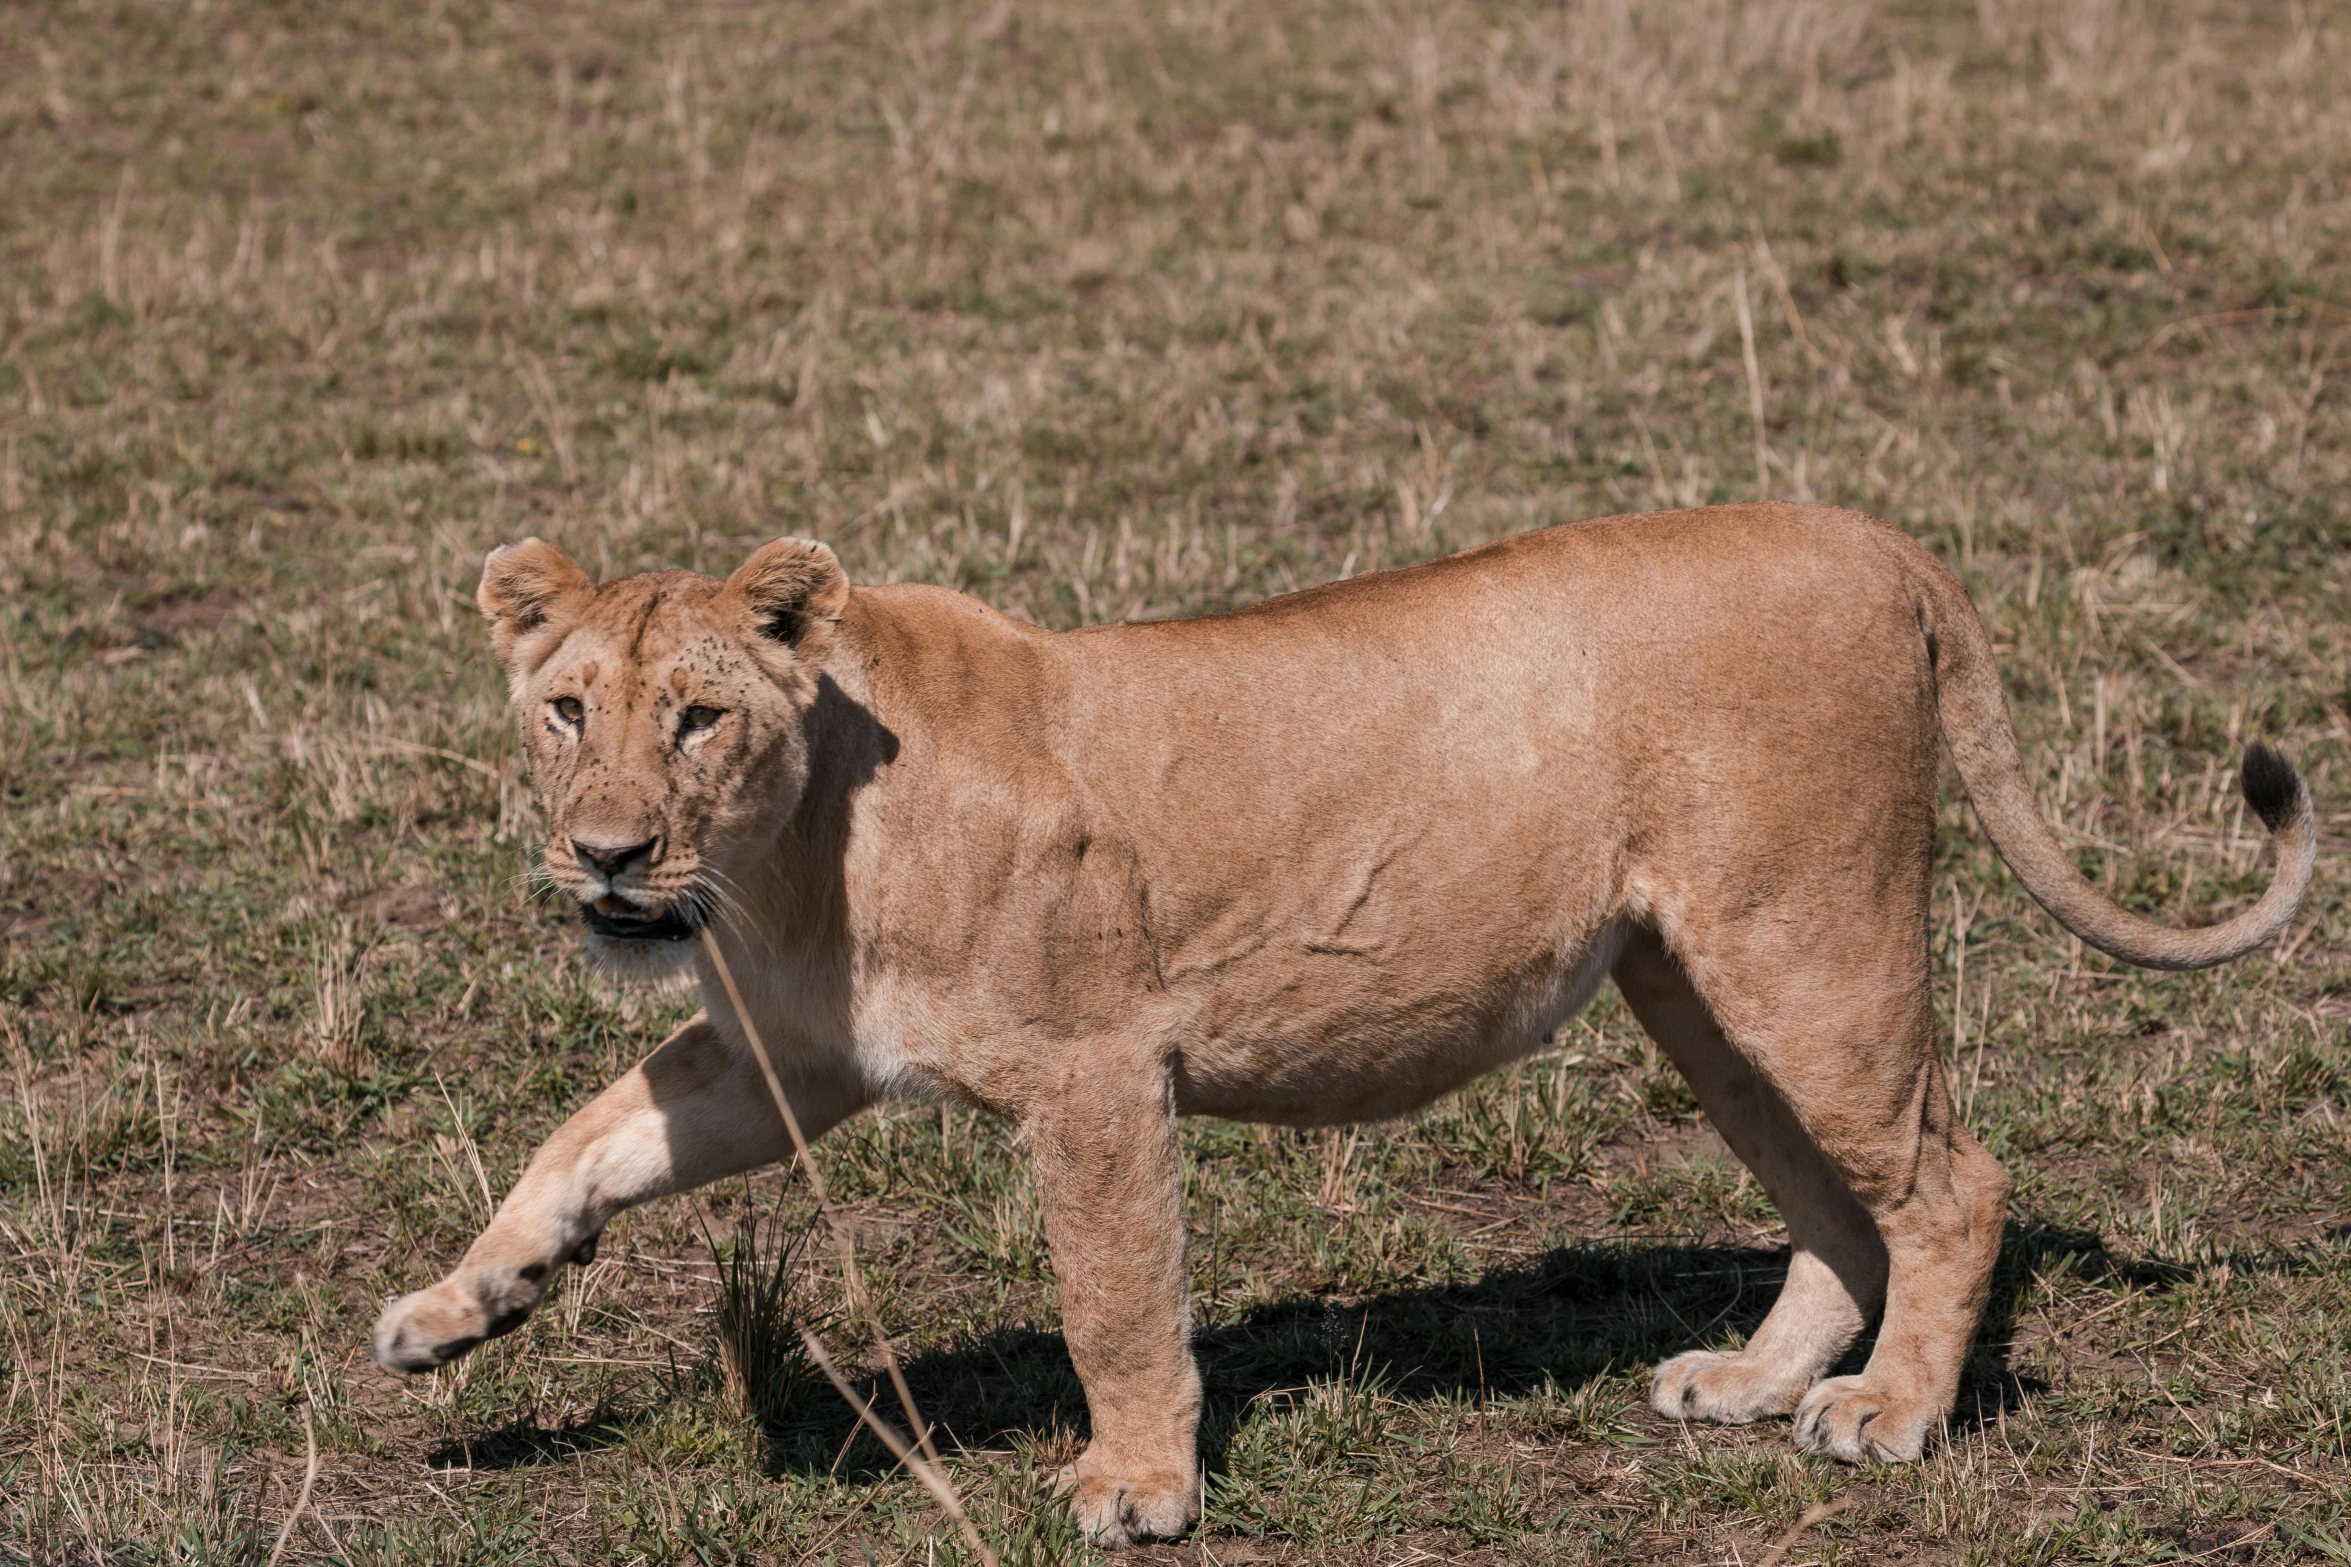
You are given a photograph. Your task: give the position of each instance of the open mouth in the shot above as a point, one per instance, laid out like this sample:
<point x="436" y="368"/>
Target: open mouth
<point x="622" y="921"/>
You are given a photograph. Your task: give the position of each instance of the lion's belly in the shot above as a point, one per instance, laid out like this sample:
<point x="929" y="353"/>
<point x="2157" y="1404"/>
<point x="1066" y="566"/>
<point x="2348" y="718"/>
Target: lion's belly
<point x="1341" y="1045"/>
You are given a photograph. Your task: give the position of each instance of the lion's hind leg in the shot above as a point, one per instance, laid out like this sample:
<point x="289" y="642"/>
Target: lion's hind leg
<point x="1941" y="1202"/>
<point x="1837" y="1270"/>
<point x="1839" y="1027"/>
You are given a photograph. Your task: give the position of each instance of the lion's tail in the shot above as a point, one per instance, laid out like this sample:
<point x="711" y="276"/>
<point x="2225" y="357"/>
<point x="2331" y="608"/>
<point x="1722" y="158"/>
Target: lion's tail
<point x="1974" y="714"/>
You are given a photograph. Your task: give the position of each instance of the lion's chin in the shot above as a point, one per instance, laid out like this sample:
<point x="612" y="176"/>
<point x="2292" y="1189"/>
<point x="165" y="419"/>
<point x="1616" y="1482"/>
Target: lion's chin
<point x="660" y="966"/>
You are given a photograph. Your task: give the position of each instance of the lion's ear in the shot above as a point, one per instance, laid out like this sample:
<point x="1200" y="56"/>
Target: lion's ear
<point x="526" y="588"/>
<point x="793" y="592"/>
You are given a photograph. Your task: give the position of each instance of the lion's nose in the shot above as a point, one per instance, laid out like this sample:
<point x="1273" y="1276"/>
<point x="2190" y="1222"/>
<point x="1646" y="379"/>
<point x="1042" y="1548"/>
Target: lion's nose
<point x="613" y="858"/>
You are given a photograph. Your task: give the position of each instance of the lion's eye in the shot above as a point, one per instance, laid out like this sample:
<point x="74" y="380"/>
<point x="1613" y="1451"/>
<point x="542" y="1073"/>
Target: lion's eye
<point x="569" y="709"/>
<point x="697" y="718"/>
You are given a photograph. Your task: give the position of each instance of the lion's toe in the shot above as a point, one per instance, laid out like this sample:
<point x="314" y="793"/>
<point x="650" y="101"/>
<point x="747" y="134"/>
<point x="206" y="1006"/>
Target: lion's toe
<point x="1856" y="1423"/>
<point x="1728" y="1389"/>
<point x="1116" y="1511"/>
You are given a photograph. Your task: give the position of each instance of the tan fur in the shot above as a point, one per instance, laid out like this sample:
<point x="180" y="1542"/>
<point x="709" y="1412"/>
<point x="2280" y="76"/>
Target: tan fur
<point x="1316" y="861"/>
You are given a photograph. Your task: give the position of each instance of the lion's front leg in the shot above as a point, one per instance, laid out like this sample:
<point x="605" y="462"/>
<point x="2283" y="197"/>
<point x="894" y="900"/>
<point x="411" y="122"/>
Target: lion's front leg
<point x="1109" y="1175"/>
<point x="693" y="1111"/>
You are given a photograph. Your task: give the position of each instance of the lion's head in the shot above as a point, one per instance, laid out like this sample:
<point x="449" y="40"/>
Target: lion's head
<point x="662" y="718"/>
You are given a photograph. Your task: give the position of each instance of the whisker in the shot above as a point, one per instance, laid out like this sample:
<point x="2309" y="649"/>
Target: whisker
<point x="724" y="902"/>
<point x="536" y="890"/>
<point x="727" y="884"/>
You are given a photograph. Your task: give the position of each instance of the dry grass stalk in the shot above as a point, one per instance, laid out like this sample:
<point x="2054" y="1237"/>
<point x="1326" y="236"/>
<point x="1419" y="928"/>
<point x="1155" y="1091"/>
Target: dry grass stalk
<point x="925" y="1465"/>
<point x="301" y="1501"/>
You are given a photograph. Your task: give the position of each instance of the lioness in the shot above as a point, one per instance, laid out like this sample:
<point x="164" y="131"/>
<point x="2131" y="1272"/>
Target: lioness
<point x="1315" y="861"/>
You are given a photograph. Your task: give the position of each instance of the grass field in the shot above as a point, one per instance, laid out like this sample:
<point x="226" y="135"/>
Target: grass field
<point x="1103" y="310"/>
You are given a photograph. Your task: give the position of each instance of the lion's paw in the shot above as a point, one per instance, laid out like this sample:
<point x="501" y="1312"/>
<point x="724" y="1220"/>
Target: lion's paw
<point x="1116" y="1511"/>
<point x="1729" y="1389"/>
<point x="1848" y="1419"/>
<point x="427" y="1330"/>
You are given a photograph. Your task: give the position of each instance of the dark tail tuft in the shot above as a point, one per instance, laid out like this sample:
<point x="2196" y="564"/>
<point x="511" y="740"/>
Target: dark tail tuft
<point x="2271" y="785"/>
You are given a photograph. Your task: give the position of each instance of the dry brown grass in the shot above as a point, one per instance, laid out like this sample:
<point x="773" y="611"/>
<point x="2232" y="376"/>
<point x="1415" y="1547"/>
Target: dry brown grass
<point x="1102" y="311"/>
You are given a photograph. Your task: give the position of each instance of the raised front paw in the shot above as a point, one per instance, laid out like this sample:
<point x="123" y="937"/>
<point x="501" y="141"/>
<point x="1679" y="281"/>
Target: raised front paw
<point x="1848" y="1419"/>
<point x="1116" y="1511"/>
<point x="426" y="1330"/>
<point x="1730" y="1389"/>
